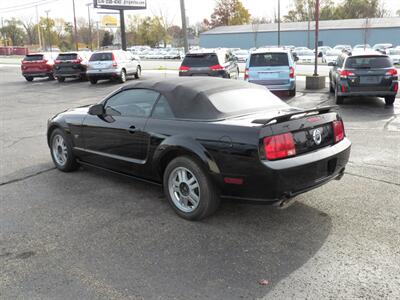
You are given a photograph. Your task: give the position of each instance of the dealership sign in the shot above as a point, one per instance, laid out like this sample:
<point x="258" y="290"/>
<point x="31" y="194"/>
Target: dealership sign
<point x="120" y="4"/>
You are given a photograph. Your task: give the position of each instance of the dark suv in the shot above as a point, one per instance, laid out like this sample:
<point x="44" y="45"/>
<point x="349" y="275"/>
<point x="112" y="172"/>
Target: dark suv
<point x="366" y="73"/>
<point x="71" y="64"/>
<point x="217" y="63"/>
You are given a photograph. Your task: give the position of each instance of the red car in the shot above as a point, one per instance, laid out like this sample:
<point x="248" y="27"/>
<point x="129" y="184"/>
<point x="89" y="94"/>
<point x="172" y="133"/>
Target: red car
<point x="38" y="65"/>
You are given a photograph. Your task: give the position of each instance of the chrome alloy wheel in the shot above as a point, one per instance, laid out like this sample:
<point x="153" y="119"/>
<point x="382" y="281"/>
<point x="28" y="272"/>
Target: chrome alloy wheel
<point x="59" y="149"/>
<point x="184" y="189"/>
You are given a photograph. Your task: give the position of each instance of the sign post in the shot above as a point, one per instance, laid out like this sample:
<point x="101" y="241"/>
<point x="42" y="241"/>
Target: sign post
<point x="121" y="5"/>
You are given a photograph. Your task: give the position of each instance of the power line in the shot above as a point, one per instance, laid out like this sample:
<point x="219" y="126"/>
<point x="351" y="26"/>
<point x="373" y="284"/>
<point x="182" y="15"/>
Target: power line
<point x="26" y="6"/>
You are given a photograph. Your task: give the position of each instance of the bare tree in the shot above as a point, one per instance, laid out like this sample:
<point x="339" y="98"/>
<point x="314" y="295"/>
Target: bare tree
<point x="29" y="27"/>
<point x="166" y="19"/>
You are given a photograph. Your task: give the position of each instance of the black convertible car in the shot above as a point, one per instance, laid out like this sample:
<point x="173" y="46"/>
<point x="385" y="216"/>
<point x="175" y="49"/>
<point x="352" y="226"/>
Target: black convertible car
<point x="204" y="139"/>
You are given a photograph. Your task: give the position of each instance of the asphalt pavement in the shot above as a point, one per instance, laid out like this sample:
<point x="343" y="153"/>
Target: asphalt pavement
<point x="94" y="235"/>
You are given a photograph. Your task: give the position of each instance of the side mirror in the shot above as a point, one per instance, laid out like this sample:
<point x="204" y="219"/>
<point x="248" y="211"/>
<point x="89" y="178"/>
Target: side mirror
<point x="295" y="57"/>
<point x="96" y="110"/>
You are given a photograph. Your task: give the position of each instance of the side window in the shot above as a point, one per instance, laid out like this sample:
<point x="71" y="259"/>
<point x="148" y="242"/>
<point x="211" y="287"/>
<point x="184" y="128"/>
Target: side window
<point x="131" y="103"/>
<point x="162" y="110"/>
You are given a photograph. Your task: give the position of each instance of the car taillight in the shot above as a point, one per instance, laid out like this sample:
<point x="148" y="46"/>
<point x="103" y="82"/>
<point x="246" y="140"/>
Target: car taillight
<point x="346" y="73"/>
<point x="279" y="146"/>
<point x="216" y="67"/>
<point x="78" y="61"/>
<point x="184" y="68"/>
<point x="391" y="72"/>
<point x="114" y="62"/>
<point x="246" y="74"/>
<point x="338" y="131"/>
<point x="291" y="72"/>
<point x="396" y="87"/>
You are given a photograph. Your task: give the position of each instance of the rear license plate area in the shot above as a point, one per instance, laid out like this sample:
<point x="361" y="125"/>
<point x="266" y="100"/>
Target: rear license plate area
<point x="268" y="75"/>
<point x="369" y="79"/>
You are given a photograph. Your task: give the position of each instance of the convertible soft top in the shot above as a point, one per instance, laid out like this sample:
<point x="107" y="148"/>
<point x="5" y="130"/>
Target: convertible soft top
<point x="189" y="96"/>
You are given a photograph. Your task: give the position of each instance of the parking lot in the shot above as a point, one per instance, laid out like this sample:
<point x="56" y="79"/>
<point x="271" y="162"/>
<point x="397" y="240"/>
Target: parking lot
<point x="95" y="235"/>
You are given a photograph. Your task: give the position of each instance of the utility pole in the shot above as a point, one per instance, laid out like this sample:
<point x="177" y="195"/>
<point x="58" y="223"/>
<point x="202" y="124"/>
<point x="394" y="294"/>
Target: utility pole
<point x="184" y="29"/>
<point x="122" y="23"/>
<point x="98" y="35"/>
<point x="279" y="23"/>
<point x="316" y="37"/>
<point x="76" y="32"/>
<point x="48" y="29"/>
<point x="308" y="24"/>
<point x="90" y="26"/>
<point x="38" y="28"/>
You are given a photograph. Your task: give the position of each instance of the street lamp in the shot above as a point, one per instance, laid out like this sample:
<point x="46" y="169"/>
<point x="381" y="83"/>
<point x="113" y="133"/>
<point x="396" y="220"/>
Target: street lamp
<point x="279" y="23"/>
<point x="48" y="28"/>
<point x="90" y="26"/>
<point x="75" y="30"/>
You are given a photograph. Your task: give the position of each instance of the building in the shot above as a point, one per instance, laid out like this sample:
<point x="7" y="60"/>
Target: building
<point x="332" y="32"/>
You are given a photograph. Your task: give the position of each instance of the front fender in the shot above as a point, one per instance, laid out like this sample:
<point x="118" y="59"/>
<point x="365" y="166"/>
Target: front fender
<point x="185" y="145"/>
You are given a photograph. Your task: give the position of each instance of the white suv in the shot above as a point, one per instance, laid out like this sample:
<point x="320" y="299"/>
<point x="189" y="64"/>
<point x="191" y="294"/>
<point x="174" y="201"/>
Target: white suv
<point x="115" y="64"/>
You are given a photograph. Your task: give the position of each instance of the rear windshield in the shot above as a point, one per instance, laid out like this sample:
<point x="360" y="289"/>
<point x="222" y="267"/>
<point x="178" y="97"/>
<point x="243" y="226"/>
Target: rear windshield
<point x="67" y="56"/>
<point x="269" y="59"/>
<point x="200" y="60"/>
<point x="367" y="62"/>
<point x="242" y="101"/>
<point x="33" y="57"/>
<point x="101" y="56"/>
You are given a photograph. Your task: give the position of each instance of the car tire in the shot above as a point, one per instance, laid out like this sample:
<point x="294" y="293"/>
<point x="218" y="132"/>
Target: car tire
<point x="51" y="77"/>
<point x="61" y="151"/>
<point x="29" y="78"/>
<point x="138" y="72"/>
<point x="389" y="100"/>
<point x="122" y="77"/>
<point x="189" y="189"/>
<point x="93" y="80"/>
<point x="338" y="99"/>
<point x="60" y="79"/>
<point x="292" y="93"/>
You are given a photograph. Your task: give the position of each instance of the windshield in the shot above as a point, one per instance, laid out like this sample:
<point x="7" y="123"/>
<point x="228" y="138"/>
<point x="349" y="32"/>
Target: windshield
<point x="242" y="101"/>
<point x="394" y="51"/>
<point x="106" y="56"/>
<point x="33" y="57"/>
<point x="200" y="60"/>
<point x="333" y="53"/>
<point x="305" y="53"/>
<point x="368" y="62"/>
<point x="67" y="56"/>
<point x="269" y="59"/>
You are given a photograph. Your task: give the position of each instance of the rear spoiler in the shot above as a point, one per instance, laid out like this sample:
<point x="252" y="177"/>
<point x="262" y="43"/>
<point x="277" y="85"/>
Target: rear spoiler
<point x="287" y="117"/>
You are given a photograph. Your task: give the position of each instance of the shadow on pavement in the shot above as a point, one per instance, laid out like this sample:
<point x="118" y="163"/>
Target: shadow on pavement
<point x="93" y="234"/>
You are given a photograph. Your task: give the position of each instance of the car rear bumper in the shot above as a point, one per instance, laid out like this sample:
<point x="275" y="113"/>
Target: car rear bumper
<point x="367" y="93"/>
<point x="107" y="75"/>
<point x="221" y="74"/>
<point x="61" y="73"/>
<point x="37" y="74"/>
<point x="276" y="87"/>
<point x="286" y="178"/>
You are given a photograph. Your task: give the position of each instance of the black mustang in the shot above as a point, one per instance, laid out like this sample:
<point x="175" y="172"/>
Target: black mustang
<point x="204" y="139"/>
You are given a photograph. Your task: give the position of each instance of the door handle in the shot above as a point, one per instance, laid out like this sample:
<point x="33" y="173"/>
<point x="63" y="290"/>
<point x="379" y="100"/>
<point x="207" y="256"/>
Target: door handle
<point x="132" y="129"/>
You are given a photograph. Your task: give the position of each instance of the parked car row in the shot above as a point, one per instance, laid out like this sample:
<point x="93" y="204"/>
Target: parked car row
<point x="157" y="53"/>
<point x="110" y="64"/>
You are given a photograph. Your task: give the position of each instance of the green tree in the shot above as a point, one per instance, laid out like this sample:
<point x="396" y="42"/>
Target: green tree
<point x="107" y="39"/>
<point x="229" y="12"/>
<point x="13" y="32"/>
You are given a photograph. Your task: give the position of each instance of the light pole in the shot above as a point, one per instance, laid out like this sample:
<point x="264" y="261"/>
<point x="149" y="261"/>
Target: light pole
<point x="279" y="23"/>
<point x="90" y="26"/>
<point x="316" y="37"/>
<point x="38" y="28"/>
<point x="75" y="30"/>
<point x="48" y="29"/>
<point x="184" y="29"/>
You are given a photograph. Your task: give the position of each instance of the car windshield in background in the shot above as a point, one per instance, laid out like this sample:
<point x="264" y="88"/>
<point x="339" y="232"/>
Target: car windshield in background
<point x="333" y="53"/>
<point x="243" y="52"/>
<point x="394" y="51"/>
<point x="67" y="56"/>
<point x="269" y="59"/>
<point x="33" y="57"/>
<point x="200" y="60"/>
<point x="368" y="62"/>
<point x="243" y="101"/>
<point x="305" y="53"/>
<point x="101" y="56"/>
